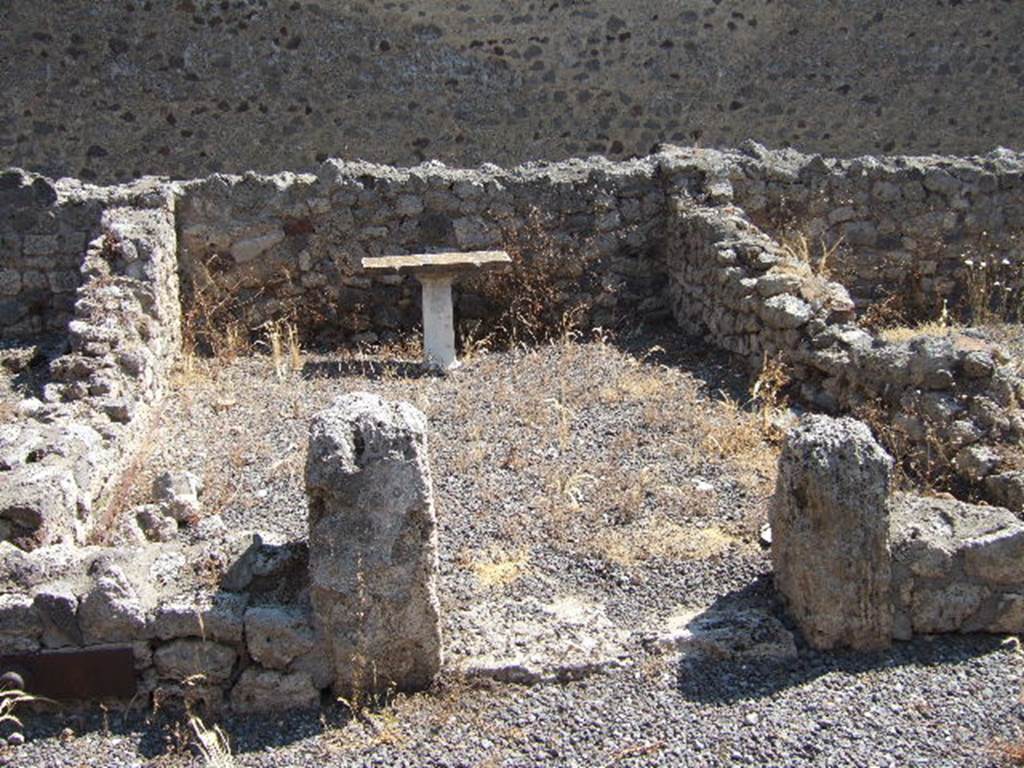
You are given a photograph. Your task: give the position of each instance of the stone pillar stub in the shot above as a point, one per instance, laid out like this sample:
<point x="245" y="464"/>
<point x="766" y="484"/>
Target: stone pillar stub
<point x="373" y="544"/>
<point x="830" y="533"/>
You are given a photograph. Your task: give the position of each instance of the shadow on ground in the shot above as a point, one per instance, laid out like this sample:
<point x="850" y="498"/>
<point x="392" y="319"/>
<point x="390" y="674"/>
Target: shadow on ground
<point x="374" y="370"/>
<point x="166" y="735"/>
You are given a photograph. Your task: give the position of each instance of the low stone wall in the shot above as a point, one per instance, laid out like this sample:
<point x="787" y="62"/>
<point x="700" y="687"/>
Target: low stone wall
<point x="246" y="619"/>
<point x="951" y="401"/>
<point x="259" y="247"/>
<point x="62" y="454"/>
<point x="956" y="567"/>
<point x="860" y="567"/>
<point x="914" y="228"/>
<point x="246" y="642"/>
<point x="731" y="283"/>
<point x="267" y="246"/>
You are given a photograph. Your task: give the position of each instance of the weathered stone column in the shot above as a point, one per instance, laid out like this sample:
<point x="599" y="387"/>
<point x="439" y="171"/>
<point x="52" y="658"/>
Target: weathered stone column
<point x="830" y="533"/>
<point x="373" y="544"/>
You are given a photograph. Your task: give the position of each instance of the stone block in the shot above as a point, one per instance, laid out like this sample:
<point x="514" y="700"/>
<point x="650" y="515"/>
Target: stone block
<point x="830" y="533"/>
<point x="219" y="618"/>
<point x="41" y="502"/>
<point x="263" y="690"/>
<point x="195" y="660"/>
<point x="276" y="635"/>
<point x="373" y="544"/>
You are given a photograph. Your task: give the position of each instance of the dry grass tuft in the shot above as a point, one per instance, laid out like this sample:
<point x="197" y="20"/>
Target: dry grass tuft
<point x="10" y="698"/>
<point x="890" y="312"/>
<point x="901" y="333"/>
<point x="663" y="539"/>
<point x="212" y="744"/>
<point x="8" y="411"/>
<point x="282" y="339"/>
<point x="921" y="462"/>
<point x="942" y="326"/>
<point x="499" y="567"/>
<point x="737" y="436"/>
<point x="807" y="257"/>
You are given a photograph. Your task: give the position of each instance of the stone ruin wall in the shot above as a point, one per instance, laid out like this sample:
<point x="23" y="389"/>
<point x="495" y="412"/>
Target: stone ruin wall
<point x="859" y="565"/>
<point x="114" y="91"/>
<point x="952" y="402"/>
<point x="104" y="365"/>
<point x="623" y="243"/>
<point x="900" y="226"/>
<point x="238" y="619"/>
<point x="662" y="239"/>
<point x="293" y="244"/>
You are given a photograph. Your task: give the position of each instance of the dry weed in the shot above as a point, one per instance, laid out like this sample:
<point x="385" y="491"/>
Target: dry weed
<point x="890" y="312"/>
<point x="809" y="258"/>
<point x="768" y="394"/>
<point x="942" y="326"/>
<point x="529" y="298"/>
<point x="210" y="325"/>
<point x="735" y="436"/>
<point x="919" y="463"/>
<point x="10" y="698"/>
<point x="125" y="491"/>
<point x="994" y="285"/>
<point x="663" y="539"/>
<point x="499" y="567"/>
<point x="212" y="743"/>
<point x="8" y="411"/>
<point x="282" y="340"/>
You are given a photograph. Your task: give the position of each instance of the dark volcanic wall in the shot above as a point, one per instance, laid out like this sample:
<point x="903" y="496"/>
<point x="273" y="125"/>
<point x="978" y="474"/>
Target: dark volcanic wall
<point x="115" y="89"/>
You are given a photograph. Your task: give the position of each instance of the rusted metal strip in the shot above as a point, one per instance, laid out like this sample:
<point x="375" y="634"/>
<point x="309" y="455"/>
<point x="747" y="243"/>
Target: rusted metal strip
<point x="80" y="673"/>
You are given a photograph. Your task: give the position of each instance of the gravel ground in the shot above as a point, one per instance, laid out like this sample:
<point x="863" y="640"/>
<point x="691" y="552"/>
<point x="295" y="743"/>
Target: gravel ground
<point x="622" y="474"/>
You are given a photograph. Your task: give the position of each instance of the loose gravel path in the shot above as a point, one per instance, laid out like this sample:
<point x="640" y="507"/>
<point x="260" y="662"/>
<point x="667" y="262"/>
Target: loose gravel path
<point x="623" y="476"/>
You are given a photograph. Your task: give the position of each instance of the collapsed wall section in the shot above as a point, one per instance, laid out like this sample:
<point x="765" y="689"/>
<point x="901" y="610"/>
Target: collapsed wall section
<point x="246" y="618"/>
<point x="859" y="566"/>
